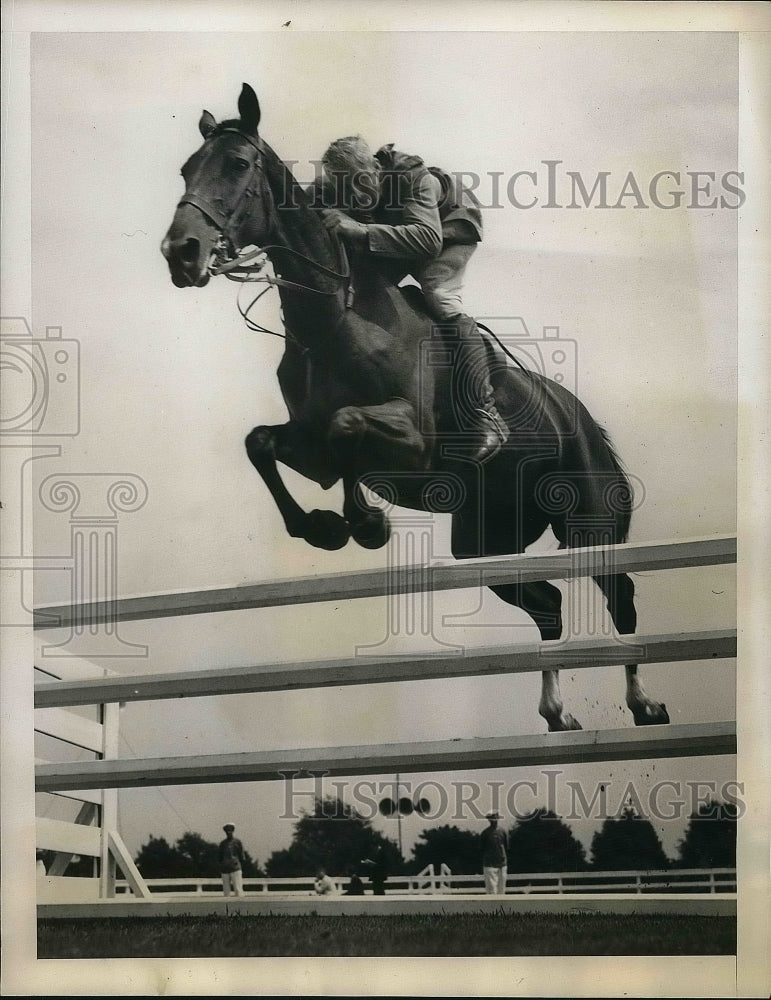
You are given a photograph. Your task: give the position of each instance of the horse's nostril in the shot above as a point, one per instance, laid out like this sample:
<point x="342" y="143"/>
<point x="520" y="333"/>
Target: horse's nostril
<point x="188" y="251"/>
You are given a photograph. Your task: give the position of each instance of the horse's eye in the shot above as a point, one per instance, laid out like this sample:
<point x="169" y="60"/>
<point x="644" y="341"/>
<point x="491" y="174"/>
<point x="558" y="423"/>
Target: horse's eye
<point x="239" y="164"/>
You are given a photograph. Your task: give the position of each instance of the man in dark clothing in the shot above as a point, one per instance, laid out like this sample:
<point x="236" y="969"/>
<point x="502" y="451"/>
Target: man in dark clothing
<point x="231" y="859"/>
<point x="495" y="846"/>
<point x="355" y="886"/>
<point x="377" y="868"/>
<point x="421" y="221"/>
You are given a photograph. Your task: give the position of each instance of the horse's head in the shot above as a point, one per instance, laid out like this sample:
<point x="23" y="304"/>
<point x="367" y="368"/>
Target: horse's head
<point x="226" y="203"/>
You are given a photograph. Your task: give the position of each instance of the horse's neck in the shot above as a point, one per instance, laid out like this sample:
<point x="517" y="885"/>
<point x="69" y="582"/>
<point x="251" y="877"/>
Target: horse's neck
<point x="314" y="317"/>
<point x="312" y="314"/>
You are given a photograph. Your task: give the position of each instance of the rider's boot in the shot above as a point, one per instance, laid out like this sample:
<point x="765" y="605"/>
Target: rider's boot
<point x="472" y="380"/>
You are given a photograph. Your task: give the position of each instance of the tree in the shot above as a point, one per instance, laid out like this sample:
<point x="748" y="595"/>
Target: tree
<point x="334" y="836"/>
<point x="190" y="857"/>
<point x="158" y="859"/>
<point x="628" y="843"/>
<point x="542" y="842"/>
<point x="710" y="837"/>
<point x="200" y="856"/>
<point x="449" y="845"/>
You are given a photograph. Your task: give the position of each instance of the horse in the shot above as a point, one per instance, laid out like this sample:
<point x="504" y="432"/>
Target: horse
<point x="366" y="376"/>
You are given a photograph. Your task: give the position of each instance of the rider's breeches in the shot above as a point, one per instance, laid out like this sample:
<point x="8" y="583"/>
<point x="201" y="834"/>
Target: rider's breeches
<point x="442" y="280"/>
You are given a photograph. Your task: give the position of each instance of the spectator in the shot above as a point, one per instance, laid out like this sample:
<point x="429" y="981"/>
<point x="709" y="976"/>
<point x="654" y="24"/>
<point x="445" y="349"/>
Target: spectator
<point x="495" y="846"/>
<point x="324" y="884"/>
<point x="355" y="886"/>
<point x="231" y="859"/>
<point x="377" y="869"/>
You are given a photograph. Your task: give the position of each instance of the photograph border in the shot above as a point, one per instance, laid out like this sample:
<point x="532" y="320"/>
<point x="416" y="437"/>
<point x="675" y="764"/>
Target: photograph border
<point x="22" y="973"/>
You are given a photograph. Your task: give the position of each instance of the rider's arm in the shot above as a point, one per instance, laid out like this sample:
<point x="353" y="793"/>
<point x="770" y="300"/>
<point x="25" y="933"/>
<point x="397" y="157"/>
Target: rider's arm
<point x="420" y="234"/>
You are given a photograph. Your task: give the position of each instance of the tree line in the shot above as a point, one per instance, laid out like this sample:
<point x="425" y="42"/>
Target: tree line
<point x="336" y="837"/>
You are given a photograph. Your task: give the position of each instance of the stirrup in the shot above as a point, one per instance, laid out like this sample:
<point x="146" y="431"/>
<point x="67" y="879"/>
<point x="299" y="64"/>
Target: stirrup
<point x="494" y="432"/>
<point x="491" y="415"/>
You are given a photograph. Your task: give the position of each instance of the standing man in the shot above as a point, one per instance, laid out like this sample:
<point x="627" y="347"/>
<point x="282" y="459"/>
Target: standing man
<point x="231" y="859"/>
<point x="377" y="867"/>
<point x="421" y="221"/>
<point x="495" y="846"/>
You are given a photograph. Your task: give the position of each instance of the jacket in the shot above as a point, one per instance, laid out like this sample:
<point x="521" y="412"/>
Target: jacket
<point x="419" y="209"/>
<point x="401" y="173"/>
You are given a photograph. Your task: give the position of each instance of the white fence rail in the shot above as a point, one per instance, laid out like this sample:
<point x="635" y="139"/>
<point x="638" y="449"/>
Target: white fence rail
<point x="676" y="880"/>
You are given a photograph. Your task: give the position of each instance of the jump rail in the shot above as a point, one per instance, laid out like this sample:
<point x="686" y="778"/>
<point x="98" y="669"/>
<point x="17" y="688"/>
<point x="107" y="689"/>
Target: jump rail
<point x="713" y="644"/>
<point x="79" y="778"/>
<point x="487" y="571"/>
<point x="702" y="739"/>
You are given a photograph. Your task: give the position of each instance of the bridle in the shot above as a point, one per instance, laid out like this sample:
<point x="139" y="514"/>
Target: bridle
<point x="228" y="219"/>
<point x="246" y="265"/>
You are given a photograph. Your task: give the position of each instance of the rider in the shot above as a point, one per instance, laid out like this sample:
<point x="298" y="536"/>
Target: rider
<point x="420" y="221"/>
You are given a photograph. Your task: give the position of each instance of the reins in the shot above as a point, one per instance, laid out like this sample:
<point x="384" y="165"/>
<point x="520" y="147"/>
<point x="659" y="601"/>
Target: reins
<point x="238" y="269"/>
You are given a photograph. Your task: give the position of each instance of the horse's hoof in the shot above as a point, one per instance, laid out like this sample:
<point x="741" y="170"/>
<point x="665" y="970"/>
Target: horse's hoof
<point x="372" y="531"/>
<point x="565" y="724"/>
<point x="324" y="529"/>
<point x="651" y="713"/>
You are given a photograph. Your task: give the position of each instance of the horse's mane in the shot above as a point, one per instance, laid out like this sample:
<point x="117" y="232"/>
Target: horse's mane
<point x="290" y="198"/>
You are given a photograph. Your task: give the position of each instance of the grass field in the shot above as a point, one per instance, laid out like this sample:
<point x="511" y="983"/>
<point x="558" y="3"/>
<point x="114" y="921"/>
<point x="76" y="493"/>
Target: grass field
<point x="379" y="936"/>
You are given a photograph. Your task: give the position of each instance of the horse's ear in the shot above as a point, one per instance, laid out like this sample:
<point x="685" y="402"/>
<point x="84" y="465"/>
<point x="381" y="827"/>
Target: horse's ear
<point x="207" y="124"/>
<point x="249" y="110"/>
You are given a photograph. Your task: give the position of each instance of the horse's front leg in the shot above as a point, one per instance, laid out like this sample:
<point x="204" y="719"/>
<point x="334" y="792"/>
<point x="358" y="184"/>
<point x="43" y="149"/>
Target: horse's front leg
<point x="368" y="440"/>
<point x="291" y="445"/>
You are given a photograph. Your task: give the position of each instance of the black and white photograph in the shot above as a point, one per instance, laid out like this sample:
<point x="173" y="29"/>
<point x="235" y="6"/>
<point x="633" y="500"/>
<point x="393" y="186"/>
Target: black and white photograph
<point x="385" y="499"/>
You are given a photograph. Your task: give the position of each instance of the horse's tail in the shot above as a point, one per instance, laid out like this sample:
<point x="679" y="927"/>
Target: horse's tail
<point x="625" y="497"/>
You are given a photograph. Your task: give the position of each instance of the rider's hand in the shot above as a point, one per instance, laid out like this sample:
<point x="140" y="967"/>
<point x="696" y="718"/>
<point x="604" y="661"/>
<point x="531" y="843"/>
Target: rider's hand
<point x="332" y="217"/>
<point x="344" y="226"/>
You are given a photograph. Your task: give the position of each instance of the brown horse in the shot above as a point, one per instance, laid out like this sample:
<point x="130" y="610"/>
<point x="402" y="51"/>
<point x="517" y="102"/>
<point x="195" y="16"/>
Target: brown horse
<point x="367" y="380"/>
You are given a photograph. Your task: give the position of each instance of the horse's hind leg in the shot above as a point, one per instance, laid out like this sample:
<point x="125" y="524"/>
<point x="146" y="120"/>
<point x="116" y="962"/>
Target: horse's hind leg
<point x="543" y="602"/>
<point x="289" y="444"/>
<point x="619" y="592"/>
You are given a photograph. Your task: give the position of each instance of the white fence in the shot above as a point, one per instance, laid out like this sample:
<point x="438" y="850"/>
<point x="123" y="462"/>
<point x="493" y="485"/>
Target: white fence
<point x="678" y="880"/>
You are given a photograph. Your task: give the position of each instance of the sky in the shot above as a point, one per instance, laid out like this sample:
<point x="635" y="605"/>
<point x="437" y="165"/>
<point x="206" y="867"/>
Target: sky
<point x="171" y="380"/>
